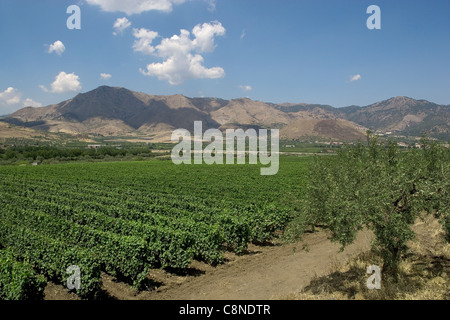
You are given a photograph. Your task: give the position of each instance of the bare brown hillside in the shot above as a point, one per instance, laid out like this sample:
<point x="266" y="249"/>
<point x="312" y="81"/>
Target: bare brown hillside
<point x="336" y="129"/>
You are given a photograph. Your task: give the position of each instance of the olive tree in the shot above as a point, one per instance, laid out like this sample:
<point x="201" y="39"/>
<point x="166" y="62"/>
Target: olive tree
<point x="379" y="187"/>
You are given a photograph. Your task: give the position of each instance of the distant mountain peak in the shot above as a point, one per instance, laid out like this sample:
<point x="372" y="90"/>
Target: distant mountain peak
<point x="104" y="87"/>
<point x="402" y="99"/>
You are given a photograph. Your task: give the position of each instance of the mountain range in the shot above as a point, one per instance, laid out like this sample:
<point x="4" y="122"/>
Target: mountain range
<point x="113" y="111"/>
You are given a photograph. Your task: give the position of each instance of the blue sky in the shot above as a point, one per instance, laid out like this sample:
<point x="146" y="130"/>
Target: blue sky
<point x="269" y="50"/>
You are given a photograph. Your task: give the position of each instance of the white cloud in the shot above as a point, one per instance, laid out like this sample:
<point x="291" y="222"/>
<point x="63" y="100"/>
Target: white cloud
<point x="64" y="82"/>
<point x="105" y="76"/>
<point x="43" y="88"/>
<point x="135" y="6"/>
<point x="246" y="88"/>
<point x="243" y="34"/>
<point x="144" y="40"/>
<point x="179" y="69"/>
<point x="356" y="77"/>
<point x="10" y="96"/>
<point x="30" y="103"/>
<point x="182" y="54"/>
<point x="204" y="36"/>
<point x="11" y="100"/>
<point x="57" y="47"/>
<point x="120" y="25"/>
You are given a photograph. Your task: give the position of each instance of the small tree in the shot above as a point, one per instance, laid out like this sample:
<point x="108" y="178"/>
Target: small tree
<point x="381" y="188"/>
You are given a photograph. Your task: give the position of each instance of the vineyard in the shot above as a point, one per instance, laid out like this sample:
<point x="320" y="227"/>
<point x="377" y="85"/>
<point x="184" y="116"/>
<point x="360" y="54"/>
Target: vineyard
<point x="129" y="217"/>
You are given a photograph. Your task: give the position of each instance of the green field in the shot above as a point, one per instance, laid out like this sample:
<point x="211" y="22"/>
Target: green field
<point x="124" y="218"/>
